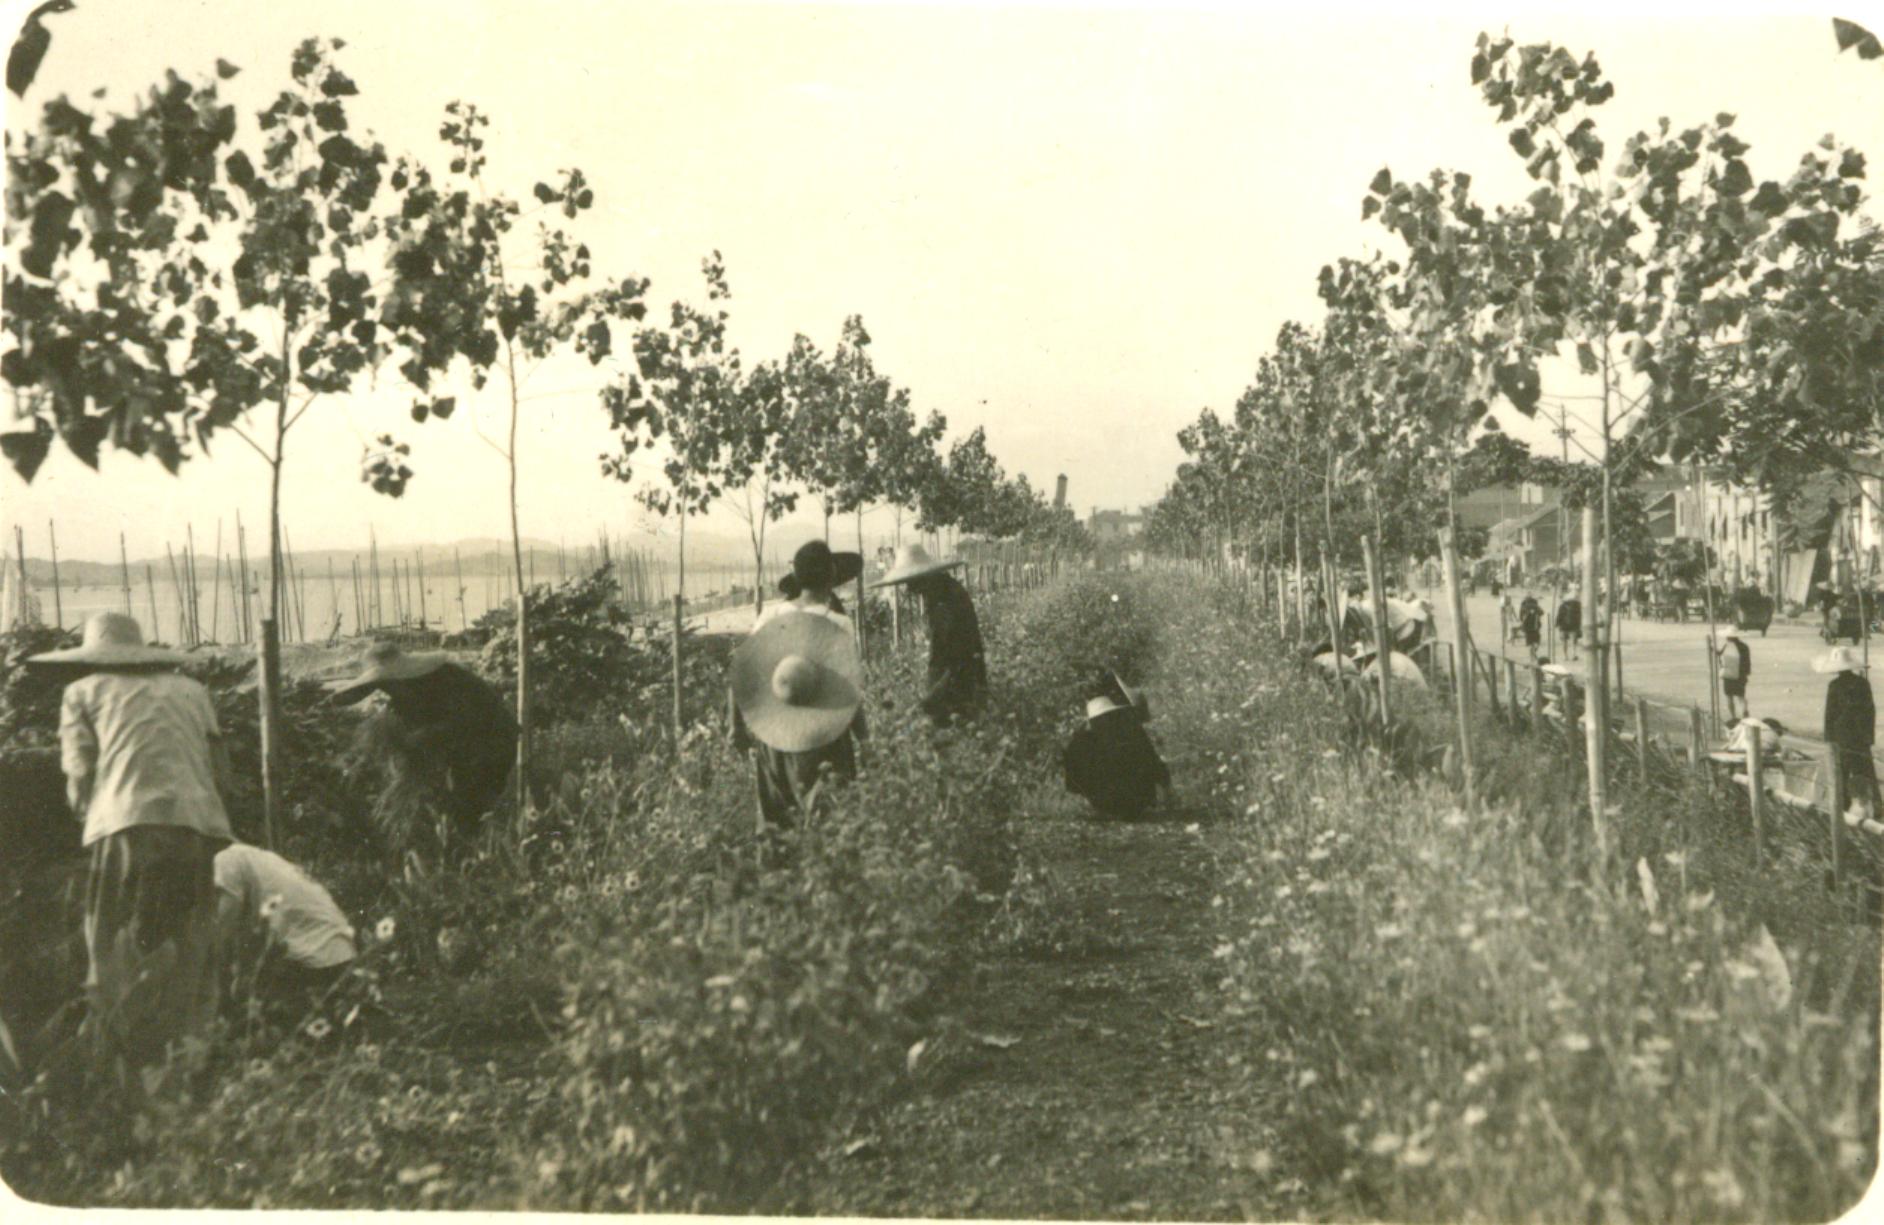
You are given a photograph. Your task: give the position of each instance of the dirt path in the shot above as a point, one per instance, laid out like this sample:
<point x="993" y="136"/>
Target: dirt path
<point x="1087" y="1083"/>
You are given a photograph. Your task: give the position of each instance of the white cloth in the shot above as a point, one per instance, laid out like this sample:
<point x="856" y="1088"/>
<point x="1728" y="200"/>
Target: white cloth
<point x="299" y="914"/>
<point x="1743" y="730"/>
<point x="141" y="742"/>
<point x="785" y="607"/>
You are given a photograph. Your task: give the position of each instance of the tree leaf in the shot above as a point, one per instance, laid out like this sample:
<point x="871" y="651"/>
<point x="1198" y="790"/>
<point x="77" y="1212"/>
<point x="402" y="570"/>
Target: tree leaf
<point x="26" y="450"/>
<point x="1850" y="34"/>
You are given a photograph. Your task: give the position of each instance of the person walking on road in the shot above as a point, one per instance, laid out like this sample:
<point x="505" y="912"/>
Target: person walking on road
<point x="1531" y="623"/>
<point x="958" y="670"/>
<point x="142" y="754"/>
<point x="1851" y="724"/>
<point x="1736" y="665"/>
<point x="1570" y="624"/>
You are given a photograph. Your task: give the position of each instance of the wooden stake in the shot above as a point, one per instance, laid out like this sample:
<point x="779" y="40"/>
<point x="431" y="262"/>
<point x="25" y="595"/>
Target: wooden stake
<point x="150" y="589"/>
<point x="458" y="565"/>
<point x="270" y="678"/>
<point x="678" y="606"/>
<point x="1697" y="742"/>
<point x="1594" y="706"/>
<point x="58" y="601"/>
<point x="1462" y="686"/>
<point x="242" y="560"/>
<point x="176" y="587"/>
<point x="1383" y="643"/>
<point x="1537" y="698"/>
<point x="215" y="594"/>
<point x="124" y="574"/>
<point x="1642" y="737"/>
<point x="421" y="561"/>
<point x="189" y="574"/>
<point x="21" y="605"/>
<point x="1756" y="794"/>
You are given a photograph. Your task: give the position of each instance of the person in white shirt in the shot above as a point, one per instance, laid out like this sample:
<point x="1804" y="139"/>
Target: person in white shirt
<point x="270" y="912"/>
<point x="141" y="751"/>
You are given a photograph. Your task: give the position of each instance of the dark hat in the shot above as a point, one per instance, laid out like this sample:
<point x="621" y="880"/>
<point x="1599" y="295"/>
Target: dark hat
<point x="845" y="567"/>
<point x="386" y="662"/>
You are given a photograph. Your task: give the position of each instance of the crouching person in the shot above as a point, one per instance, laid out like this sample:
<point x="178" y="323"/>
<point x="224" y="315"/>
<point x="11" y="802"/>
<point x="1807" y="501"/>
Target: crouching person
<point x="1111" y="761"/>
<point x="447" y="726"/>
<point x="141" y="752"/>
<point x="797" y="691"/>
<point x="275" y="920"/>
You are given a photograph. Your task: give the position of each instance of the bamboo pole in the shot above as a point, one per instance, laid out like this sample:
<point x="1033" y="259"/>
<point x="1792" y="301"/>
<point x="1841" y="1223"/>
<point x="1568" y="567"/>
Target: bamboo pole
<point x="1641" y="736"/>
<point x="124" y="574"/>
<point x="189" y="575"/>
<point x="1462" y="696"/>
<point x="458" y="564"/>
<point x="176" y="587"/>
<point x="333" y="594"/>
<point x="21" y="605"/>
<point x="1697" y="742"/>
<point x="373" y="606"/>
<point x="270" y="693"/>
<point x="150" y="590"/>
<point x="58" y="601"/>
<point x="242" y="560"/>
<point x="1595" y="707"/>
<point x="215" y="598"/>
<point x="421" y="562"/>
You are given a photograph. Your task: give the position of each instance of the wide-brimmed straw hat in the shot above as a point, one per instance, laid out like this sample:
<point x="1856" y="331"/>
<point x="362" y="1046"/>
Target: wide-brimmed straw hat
<point x="1134" y="696"/>
<point x="386" y="662"/>
<point x="1839" y="659"/>
<point x="797" y="682"/>
<point x="913" y="562"/>
<point x="112" y="640"/>
<point x="845" y="568"/>
<point x="1102" y="705"/>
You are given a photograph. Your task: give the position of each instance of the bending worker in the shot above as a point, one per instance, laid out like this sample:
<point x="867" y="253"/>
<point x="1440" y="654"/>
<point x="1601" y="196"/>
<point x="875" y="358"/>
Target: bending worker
<point x="958" y="670"/>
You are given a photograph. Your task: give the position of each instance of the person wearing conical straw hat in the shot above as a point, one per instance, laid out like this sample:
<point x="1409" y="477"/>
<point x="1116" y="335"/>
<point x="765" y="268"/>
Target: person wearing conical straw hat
<point x="1110" y="760"/>
<point x="447" y="724"/>
<point x="142" y="753"/>
<point x="958" y="670"/>
<point x="815" y="576"/>
<point x="1850" y="723"/>
<point x="797" y="688"/>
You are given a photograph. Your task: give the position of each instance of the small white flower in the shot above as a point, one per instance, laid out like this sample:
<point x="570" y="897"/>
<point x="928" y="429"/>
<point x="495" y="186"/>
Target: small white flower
<point x="1576" y="1042"/>
<point x="1473" y="1116"/>
<point x="385" y="928"/>
<point x="319" y="1028"/>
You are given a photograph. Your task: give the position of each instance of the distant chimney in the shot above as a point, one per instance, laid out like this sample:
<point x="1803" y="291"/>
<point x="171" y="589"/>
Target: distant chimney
<point x="1059" y="492"/>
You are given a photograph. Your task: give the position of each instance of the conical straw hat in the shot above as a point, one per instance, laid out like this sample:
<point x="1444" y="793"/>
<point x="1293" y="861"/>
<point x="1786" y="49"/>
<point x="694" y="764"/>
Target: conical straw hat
<point x="797" y="682"/>
<point x="913" y="561"/>
<point x="386" y="662"/>
<point x="113" y="640"/>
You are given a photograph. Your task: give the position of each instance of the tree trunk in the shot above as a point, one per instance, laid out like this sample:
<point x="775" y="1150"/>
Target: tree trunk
<point x="524" y="722"/>
<point x="680" y="613"/>
<point x="1462" y="650"/>
<point x="270" y="673"/>
<point x="1383" y="654"/>
<point x="860" y="585"/>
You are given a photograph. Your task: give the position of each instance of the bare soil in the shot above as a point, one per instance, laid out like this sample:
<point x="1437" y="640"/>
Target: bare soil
<point x="1087" y="1080"/>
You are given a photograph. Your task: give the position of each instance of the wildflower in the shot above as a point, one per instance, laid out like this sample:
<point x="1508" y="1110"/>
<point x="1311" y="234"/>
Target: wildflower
<point x="631" y="882"/>
<point x="1697" y="1016"/>
<point x="1473" y="1116"/>
<point x="1466" y="930"/>
<point x="385" y="928"/>
<point x="1220" y="952"/>
<point x="1307" y="1078"/>
<point x="1476" y="1074"/>
<point x="1261" y="1162"/>
<point x="1478" y="1033"/>
<point x="319" y="1028"/>
<point x="1389" y="931"/>
<point x="1320" y="886"/>
<point x="1575" y="1042"/>
<point x="1385" y="1144"/>
<point x="370" y="1052"/>
<point x="1318" y="854"/>
<point x="1415" y="1156"/>
<point x="1193" y="828"/>
<point x="259" y="1068"/>
<point x="1455" y="819"/>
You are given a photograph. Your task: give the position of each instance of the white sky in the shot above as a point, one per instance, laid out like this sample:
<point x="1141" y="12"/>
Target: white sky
<point x="1073" y="225"/>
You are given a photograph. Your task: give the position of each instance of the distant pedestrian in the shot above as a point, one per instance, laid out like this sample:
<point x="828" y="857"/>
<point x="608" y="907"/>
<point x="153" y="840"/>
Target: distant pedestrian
<point x="958" y="670"/>
<point x="1570" y="625"/>
<point x="1111" y="762"/>
<point x="797" y="692"/>
<point x="1851" y="723"/>
<point x="276" y="918"/>
<point x="1531" y="622"/>
<point x="447" y="725"/>
<point x="1736" y="666"/>
<point x="141" y="752"/>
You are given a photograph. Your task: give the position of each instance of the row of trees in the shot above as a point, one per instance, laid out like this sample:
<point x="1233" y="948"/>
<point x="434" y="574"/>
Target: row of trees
<point x="175" y="275"/>
<point x="1701" y="315"/>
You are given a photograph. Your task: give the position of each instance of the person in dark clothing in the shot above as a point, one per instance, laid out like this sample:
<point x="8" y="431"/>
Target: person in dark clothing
<point x="1736" y="665"/>
<point x="958" y="670"/>
<point x="843" y="568"/>
<point x="1851" y="723"/>
<point x="1531" y="621"/>
<point x="446" y="724"/>
<point x="1570" y="624"/>
<point x="797" y="692"/>
<point x="1111" y="761"/>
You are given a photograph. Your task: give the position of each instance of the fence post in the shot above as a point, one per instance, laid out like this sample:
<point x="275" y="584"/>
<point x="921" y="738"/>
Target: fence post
<point x="1485" y="659"/>
<point x="1641" y="736"/>
<point x="1383" y="645"/>
<point x="1462" y="635"/>
<point x="1835" y="791"/>
<point x="1697" y="742"/>
<point x="1511" y="688"/>
<point x="1537" y="697"/>
<point x="1756" y="794"/>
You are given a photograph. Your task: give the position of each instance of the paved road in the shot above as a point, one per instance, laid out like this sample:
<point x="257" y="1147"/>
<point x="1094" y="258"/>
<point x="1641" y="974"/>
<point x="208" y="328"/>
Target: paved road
<point x="1667" y="661"/>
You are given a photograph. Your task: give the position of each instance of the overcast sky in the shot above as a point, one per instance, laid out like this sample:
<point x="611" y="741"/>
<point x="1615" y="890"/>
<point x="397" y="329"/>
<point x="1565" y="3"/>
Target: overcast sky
<point x="1073" y="225"/>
